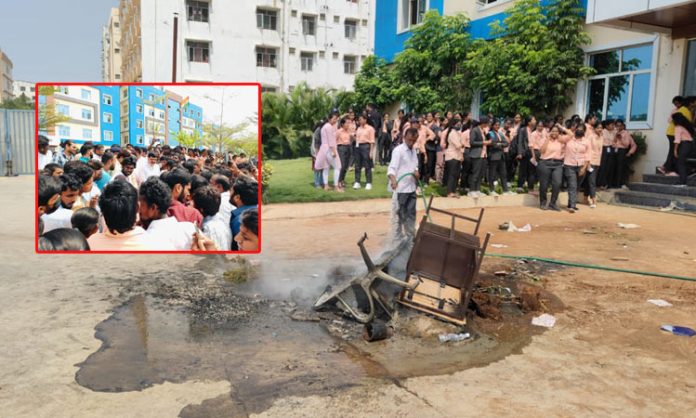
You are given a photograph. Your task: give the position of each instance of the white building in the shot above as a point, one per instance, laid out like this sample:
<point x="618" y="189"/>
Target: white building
<point x="111" y="48"/>
<point x="277" y="43"/>
<point x="81" y="105"/>
<point x="24" y="87"/>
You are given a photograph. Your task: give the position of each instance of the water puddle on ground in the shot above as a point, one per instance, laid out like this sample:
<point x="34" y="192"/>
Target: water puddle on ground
<point x="269" y="354"/>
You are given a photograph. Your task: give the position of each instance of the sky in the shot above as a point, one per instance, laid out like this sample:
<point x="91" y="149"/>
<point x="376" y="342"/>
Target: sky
<point x="241" y="102"/>
<point x="54" y="40"/>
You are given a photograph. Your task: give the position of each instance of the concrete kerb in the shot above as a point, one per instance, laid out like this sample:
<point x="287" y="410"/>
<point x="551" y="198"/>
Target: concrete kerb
<point x="359" y="207"/>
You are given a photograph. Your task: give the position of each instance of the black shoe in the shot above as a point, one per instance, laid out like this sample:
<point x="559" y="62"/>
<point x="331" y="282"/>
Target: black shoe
<point x="554" y="207"/>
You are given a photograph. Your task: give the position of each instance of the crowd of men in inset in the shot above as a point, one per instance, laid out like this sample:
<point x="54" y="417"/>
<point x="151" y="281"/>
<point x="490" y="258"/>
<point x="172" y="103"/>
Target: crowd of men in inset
<point x="510" y="155"/>
<point x="160" y="198"/>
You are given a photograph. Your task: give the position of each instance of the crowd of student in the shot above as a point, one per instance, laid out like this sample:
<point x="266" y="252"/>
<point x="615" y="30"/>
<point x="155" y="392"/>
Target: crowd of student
<point x="139" y="199"/>
<point x="462" y="153"/>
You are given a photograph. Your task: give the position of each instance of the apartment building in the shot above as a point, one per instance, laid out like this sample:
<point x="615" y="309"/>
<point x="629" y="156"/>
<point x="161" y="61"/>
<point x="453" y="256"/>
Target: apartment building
<point x="277" y="43"/>
<point x="81" y="106"/>
<point x="643" y="49"/>
<point x="6" y="81"/>
<point x="26" y="88"/>
<point x="111" y="48"/>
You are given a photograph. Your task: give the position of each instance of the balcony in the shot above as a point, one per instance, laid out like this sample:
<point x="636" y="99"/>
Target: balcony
<point x="675" y="16"/>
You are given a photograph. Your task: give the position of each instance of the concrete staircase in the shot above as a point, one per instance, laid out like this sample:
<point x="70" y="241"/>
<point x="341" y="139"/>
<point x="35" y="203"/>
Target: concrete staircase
<point x="659" y="192"/>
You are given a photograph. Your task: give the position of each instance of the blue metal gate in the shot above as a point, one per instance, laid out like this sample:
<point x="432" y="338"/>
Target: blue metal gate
<point x="17" y="141"/>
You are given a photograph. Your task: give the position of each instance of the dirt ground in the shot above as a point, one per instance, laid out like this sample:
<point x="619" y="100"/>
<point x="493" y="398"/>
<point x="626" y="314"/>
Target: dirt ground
<point x="605" y="355"/>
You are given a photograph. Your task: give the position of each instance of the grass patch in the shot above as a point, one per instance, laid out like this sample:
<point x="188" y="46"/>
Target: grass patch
<point x="241" y="272"/>
<point x="293" y="182"/>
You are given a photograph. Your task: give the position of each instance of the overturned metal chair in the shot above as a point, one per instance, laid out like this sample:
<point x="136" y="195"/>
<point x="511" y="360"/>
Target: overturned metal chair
<point x="443" y="266"/>
<point x="441" y="270"/>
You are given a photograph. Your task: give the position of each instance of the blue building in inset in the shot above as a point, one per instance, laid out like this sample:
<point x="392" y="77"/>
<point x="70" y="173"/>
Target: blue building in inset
<point x="109" y="115"/>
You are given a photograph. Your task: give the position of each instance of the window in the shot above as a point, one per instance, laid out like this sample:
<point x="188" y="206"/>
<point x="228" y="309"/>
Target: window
<point x="161" y="115"/>
<point x="151" y="97"/>
<point x="351" y="28"/>
<point x="32" y="89"/>
<point x="621" y="87"/>
<point x="108" y="117"/>
<point x="266" y="19"/>
<point x="63" y="90"/>
<point x="139" y="140"/>
<point x="139" y="124"/>
<point x="309" y="25"/>
<point x="266" y="57"/>
<point x="108" y="136"/>
<point x="139" y="93"/>
<point x="364" y="22"/>
<point x="64" y="131"/>
<point x="412" y="12"/>
<point x="197" y="11"/>
<point x="291" y="51"/>
<point x="151" y="112"/>
<point x="268" y="89"/>
<point x="125" y="93"/>
<point x="335" y="55"/>
<point x="125" y="124"/>
<point x="107" y="100"/>
<point x="349" y="64"/>
<point x="117" y="50"/>
<point x="22" y="88"/>
<point x="86" y="114"/>
<point x="116" y="24"/>
<point x="63" y="109"/>
<point x="118" y="76"/>
<point x="306" y="61"/>
<point x="293" y="13"/>
<point x="87" y="133"/>
<point x="690" y="73"/>
<point x="198" y="51"/>
<point x="139" y="108"/>
<point x="337" y="19"/>
<point x="322" y="16"/>
<point x="85" y="94"/>
<point x="321" y="54"/>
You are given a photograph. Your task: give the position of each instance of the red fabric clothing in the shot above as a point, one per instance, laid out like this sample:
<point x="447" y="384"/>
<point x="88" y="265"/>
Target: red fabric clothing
<point x="184" y="213"/>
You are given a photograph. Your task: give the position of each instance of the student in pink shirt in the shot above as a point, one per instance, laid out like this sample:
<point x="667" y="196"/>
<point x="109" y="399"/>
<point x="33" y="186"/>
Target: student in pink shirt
<point x="606" y="163"/>
<point x="624" y="147"/>
<point x="451" y="141"/>
<point x="536" y="139"/>
<point x="365" y="144"/>
<point x="683" y="145"/>
<point x="509" y="132"/>
<point x="596" y="142"/>
<point x="550" y="168"/>
<point x="576" y="161"/>
<point x="344" y="150"/>
<point x="424" y="134"/>
<point x="327" y="156"/>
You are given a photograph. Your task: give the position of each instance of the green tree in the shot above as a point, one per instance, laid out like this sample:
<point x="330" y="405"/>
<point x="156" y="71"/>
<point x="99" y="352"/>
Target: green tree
<point x="22" y="103"/>
<point x="48" y="117"/>
<point x="374" y="83"/>
<point x="185" y="140"/>
<point x="534" y="61"/>
<point x="222" y="137"/>
<point x="429" y="74"/>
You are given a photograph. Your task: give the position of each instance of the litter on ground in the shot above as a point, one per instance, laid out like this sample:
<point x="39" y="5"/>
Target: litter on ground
<point x="544" y="320"/>
<point x="659" y="302"/>
<point x="627" y="226"/>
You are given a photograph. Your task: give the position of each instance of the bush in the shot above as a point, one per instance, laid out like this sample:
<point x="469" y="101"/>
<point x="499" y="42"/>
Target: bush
<point x="266" y="172"/>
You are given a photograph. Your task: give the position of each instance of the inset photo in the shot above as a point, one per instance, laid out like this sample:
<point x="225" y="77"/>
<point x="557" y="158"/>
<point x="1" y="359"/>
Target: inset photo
<point x="130" y="168"/>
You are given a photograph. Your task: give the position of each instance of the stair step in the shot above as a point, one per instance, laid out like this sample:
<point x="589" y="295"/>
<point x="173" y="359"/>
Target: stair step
<point x="662" y="179"/>
<point x="666" y="189"/>
<point x="655" y="200"/>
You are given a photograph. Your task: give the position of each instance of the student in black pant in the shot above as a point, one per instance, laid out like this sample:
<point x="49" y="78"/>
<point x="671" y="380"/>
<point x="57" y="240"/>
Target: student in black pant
<point x="550" y="167"/>
<point x="683" y="145"/>
<point x="451" y="141"/>
<point x="624" y="147"/>
<point x="578" y="153"/>
<point x="477" y="140"/>
<point x="496" y="159"/>
<point x="607" y="160"/>
<point x="527" y="171"/>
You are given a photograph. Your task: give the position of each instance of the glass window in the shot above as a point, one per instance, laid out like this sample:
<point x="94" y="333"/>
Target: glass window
<point x="139" y="140"/>
<point x="86" y="114"/>
<point x="107" y="99"/>
<point x="266" y="19"/>
<point x="86" y="94"/>
<point x="309" y="25"/>
<point x="151" y="97"/>
<point x="640" y="97"/>
<point x="690" y="73"/>
<point x="139" y="124"/>
<point x="87" y="133"/>
<point x="63" y="109"/>
<point x="108" y="136"/>
<point x="197" y="10"/>
<point x="350" y="28"/>
<point x="64" y="131"/>
<point x="349" y="64"/>
<point x="107" y="117"/>
<point x="198" y="51"/>
<point x="605" y="62"/>
<point x="306" y="61"/>
<point x="617" y="101"/>
<point x="596" y="98"/>
<point x="268" y="89"/>
<point x="266" y="57"/>
<point x="638" y="58"/>
<point x="139" y="108"/>
<point x="139" y="93"/>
